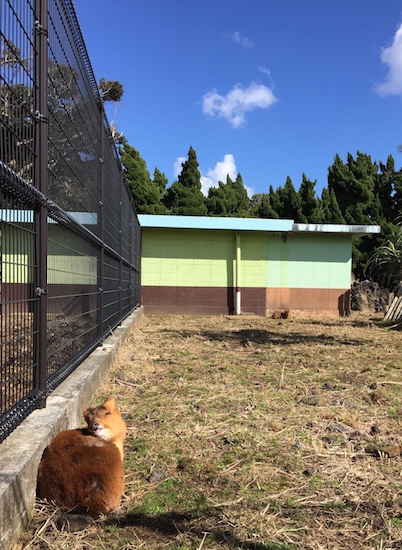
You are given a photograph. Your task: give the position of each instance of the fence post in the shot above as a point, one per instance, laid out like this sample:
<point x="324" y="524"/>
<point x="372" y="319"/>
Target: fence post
<point x="102" y="222"/>
<point x="137" y="262"/>
<point x="41" y="183"/>
<point x="130" y="256"/>
<point x="121" y="246"/>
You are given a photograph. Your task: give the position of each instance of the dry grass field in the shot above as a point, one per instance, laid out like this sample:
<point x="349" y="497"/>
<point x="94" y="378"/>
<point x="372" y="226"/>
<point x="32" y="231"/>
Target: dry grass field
<point x="252" y="433"/>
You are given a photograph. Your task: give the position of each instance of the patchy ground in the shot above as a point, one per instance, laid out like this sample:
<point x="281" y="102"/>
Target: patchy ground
<point x="252" y="433"/>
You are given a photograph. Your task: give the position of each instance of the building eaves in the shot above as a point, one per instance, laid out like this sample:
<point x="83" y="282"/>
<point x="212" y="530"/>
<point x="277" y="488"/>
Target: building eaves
<point x="250" y="224"/>
<point x="336" y="228"/>
<point x="206" y="222"/>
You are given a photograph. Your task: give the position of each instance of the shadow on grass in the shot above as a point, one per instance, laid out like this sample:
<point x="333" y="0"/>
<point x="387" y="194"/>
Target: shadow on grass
<point x="355" y="323"/>
<point x="172" y="523"/>
<point x="263" y="336"/>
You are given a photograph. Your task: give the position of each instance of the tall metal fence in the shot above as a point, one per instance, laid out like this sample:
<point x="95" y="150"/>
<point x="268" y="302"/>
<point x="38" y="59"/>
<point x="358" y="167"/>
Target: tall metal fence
<point x="69" y="234"/>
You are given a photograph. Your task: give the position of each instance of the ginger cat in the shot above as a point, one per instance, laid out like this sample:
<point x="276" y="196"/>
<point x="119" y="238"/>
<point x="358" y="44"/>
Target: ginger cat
<point x="82" y="470"/>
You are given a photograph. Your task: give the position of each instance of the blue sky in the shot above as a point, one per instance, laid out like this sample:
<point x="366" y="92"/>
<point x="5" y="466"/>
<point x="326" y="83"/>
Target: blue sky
<point x="267" y="88"/>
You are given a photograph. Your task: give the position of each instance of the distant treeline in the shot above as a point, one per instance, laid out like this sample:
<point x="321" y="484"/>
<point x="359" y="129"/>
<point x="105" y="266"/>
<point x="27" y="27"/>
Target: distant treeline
<point x="359" y="191"/>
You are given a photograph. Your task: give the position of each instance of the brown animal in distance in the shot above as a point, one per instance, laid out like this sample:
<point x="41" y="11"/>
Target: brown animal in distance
<point x="280" y="314"/>
<point x="82" y="470"/>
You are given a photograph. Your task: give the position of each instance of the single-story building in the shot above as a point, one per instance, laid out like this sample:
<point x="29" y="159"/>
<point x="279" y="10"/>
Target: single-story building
<point x="209" y="265"/>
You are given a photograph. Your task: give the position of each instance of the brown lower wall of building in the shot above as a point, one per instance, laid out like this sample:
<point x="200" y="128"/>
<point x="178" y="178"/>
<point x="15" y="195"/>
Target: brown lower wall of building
<point x="201" y="300"/>
<point x="309" y="299"/>
<point x="192" y="300"/>
<point x="221" y="301"/>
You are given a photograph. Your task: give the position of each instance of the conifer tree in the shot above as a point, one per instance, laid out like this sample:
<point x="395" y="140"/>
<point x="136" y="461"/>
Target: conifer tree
<point x="390" y="190"/>
<point x="309" y="211"/>
<point x="290" y="201"/>
<point x="161" y="182"/>
<point x="187" y="198"/>
<point x="146" y="194"/>
<point x="217" y="202"/>
<point x="397" y="185"/>
<point x="265" y="209"/>
<point x="354" y="184"/>
<point x="275" y="201"/>
<point x="241" y="200"/>
<point x="330" y="208"/>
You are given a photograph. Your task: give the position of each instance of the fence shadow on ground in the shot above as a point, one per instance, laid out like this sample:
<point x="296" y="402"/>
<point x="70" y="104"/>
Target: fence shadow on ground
<point x="354" y="323"/>
<point x="193" y="523"/>
<point x="264" y="336"/>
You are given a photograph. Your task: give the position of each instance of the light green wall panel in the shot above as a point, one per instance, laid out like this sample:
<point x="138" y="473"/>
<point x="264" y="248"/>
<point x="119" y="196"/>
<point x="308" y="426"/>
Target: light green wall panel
<point x="70" y="259"/>
<point x="71" y="270"/>
<point x="17" y="253"/>
<point x="207" y="258"/>
<point x="16" y="268"/>
<point x="66" y="270"/>
<point x="309" y="261"/>
<point x="254" y="259"/>
<point x="187" y="258"/>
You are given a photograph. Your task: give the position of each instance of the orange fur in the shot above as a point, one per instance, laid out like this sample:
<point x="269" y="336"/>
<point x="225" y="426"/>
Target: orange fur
<point x="280" y="314"/>
<point x="285" y="314"/>
<point x="82" y="470"/>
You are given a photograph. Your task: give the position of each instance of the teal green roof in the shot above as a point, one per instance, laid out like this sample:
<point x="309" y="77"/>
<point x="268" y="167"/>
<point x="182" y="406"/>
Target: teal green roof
<point x="204" y="222"/>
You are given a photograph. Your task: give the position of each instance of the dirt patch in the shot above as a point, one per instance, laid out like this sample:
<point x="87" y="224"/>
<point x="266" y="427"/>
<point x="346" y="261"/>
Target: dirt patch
<point x="257" y="434"/>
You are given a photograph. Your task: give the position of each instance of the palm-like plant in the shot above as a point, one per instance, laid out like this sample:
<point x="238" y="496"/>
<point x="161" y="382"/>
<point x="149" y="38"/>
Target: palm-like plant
<point x="385" y="262"/>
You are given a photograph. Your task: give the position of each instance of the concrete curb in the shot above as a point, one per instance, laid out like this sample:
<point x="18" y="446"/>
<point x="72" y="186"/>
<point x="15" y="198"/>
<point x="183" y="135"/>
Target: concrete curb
<point x="21" y="452"/>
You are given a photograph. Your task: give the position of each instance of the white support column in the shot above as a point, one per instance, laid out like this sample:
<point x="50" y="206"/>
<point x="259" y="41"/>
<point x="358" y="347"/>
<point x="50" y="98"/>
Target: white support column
<point x="238" y="272"/>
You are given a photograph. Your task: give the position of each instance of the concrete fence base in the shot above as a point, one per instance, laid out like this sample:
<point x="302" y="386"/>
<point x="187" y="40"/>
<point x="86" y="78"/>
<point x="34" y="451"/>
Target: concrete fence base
<point x="21" y="452"/>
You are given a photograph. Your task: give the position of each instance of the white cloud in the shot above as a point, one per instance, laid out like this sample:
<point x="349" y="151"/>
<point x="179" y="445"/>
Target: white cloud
<point x="219" y="173"/>
<point x="392" y="56"/>
<point x="265" y="70"/>
<point x="224" y="168"/>
<point x="242" y="40"/>
<point x="250" y="190"/>
<point x="238" y="102"/>
<point x="177" y="166"/>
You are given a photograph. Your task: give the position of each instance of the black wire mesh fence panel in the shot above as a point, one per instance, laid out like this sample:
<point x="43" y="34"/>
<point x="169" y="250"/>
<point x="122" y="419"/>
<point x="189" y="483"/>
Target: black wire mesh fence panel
<point x="18" y="392"/>
<point x="17" y="52"/>
<point x="72" y="312"/>
<point x="70" y="238"/>
<point x="135" y="274"/>
<point x="74" y="119"/>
